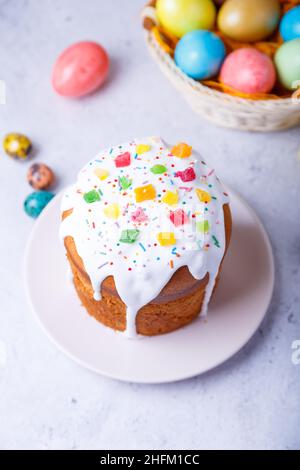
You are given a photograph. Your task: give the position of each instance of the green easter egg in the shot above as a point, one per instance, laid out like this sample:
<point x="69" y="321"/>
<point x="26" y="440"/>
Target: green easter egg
<point x="287" y="61"/>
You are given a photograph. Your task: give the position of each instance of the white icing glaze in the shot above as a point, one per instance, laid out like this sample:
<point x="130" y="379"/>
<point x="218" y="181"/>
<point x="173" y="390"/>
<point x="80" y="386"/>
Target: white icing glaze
<point x="142" y="268"/>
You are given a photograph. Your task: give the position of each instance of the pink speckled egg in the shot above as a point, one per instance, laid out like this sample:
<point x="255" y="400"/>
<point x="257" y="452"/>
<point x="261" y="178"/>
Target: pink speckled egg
<point x="249" y="71"/>
<point x="80" y="69"/>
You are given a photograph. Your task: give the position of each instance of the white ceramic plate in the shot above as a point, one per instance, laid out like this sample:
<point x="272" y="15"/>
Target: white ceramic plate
<point x="236" y="311"/>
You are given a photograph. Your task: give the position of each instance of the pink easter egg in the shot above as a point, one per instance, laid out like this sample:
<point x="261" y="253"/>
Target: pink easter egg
<point x="80" y="69"/>
<point x="249" y="71"/>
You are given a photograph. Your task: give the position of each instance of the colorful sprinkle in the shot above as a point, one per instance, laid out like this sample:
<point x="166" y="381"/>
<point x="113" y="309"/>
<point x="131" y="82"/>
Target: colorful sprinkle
<point x="216" y="241"/>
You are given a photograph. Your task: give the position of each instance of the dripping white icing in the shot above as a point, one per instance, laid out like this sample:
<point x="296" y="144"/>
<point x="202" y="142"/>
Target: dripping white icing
<point x="142" y="268"/>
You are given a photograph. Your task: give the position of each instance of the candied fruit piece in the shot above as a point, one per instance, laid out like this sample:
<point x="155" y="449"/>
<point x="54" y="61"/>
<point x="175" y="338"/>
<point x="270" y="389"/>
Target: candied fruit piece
<point x="144" y="193"/>
<point x="158" y="169"/>
<point x="187" y="175"/>
<point x="101" y="173"/>
<point x="166" y="238"/>
<point x="112" y="211"/>
<point x="171" y="198"/>
<point x="203" y="196"/>
<point x="182" y="150"/>
<point x="129" y="235"/>
<point x="142" y="148"/>
<point x="124" y="182"/>
<point x="178" y="217"/>
<point x="91" y="196"/>
<point x="139" y="215"/>
<point x="202" y="226"/>
<point x="122" y="160"/>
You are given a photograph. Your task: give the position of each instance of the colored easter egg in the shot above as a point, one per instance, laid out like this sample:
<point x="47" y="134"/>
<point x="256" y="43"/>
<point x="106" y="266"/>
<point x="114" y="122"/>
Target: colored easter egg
<point x="249" y="71"/>
<point x="17" y="145"/>
<point x="290" y="24"/>
<point x="200" y="54"/>
<point x="36" y="202"/>
<point x="40" y="176"/>
<point x="182" y="16"/>
<point x="287" y="61"/>
<point x="80" y="69"/>
<point x="248" y="20"/>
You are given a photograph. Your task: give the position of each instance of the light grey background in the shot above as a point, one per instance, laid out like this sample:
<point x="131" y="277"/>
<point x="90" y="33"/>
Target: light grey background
<point x="47" y="401"/>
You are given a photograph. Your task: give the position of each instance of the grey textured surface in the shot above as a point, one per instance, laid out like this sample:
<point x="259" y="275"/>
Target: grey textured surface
<point x="47" y="401"/>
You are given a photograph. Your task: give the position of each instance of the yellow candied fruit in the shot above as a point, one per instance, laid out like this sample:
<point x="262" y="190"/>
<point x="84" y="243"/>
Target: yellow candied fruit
<point x="166" y="238"/>
<point x="182" y="150"/>
<point x="112" y="211"/>
<point x="203" y="196"/>
<point x="144" y="193"/>
<point x="101" y="173"/>
<point x="171" y="198"/>
<point x="142" y="148"/>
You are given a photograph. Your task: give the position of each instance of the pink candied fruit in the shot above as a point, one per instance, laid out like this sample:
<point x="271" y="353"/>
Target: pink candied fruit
<point x="139" y="215"/>
<point x="178" y="217"/>
<point x="186" y="175"/>
<point x="122" y="160"/>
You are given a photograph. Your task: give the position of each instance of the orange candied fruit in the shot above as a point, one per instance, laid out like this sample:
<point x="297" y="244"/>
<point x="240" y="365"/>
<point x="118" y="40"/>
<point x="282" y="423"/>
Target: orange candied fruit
<point x="144" y="193"/>
<point x="182" y="150"/>
<point x="203" y="196"/>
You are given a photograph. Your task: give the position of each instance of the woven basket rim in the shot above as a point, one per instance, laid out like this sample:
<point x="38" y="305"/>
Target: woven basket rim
<point x="162" y="55"/>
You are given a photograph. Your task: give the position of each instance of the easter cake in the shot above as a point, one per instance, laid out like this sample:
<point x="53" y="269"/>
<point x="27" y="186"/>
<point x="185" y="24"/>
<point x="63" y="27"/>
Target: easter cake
<point x="145" y="229"/>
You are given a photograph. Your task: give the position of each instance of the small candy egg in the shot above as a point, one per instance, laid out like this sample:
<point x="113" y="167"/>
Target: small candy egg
<point x="249" y="71"/>
<point x="80" y="69"/>
<point x="287" y="61"/>
<point x="290" y="24"/>
<point x="36" y="202"/>
<point x="40" y="176"/>
<point x="17" y="145"/>
<point x="248" y="20"/>
<point x="182" y="16"/>
<point x="200" y="54"/>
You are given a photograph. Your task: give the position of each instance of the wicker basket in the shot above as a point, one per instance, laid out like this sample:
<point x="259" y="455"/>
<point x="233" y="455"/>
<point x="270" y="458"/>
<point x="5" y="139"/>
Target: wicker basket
<point x="223" y="109"/>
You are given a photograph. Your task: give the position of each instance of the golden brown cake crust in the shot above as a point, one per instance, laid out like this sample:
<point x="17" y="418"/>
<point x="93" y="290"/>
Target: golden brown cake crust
<point x="178" y="303"/>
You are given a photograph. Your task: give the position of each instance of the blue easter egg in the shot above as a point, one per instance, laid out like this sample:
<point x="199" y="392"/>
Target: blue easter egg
<point x="200" y="54"/>
<point x="36" y="202"/>
<point x="290" y="25"/>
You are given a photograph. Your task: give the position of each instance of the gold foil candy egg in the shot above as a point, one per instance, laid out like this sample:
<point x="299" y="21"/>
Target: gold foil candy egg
<point x="17" y="145"/>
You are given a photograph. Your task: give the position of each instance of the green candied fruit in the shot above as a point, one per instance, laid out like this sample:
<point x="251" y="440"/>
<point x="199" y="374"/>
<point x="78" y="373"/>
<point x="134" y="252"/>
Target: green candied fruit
<point x="202" y="226"/>
<point x="124" y="182"/>
<point x="91" y="196"/>
<point x="129" y="236"/>
<point x="158" y="169"/>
